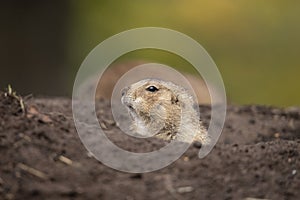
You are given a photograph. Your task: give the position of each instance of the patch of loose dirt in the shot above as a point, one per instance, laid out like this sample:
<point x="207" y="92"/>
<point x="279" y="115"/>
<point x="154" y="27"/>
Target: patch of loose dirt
<point x="42" y="157"/>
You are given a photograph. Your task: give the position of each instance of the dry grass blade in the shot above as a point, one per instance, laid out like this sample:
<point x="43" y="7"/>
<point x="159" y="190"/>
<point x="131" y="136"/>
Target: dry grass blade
<point x="13" y="94"/>
<point x="33" y="171"/>
<point x="9" y="90"/>
<point x="22" y="104"/>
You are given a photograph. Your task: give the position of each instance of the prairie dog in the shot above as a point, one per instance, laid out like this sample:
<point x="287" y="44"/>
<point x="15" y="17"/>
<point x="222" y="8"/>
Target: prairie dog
<point x="165" y="110"/>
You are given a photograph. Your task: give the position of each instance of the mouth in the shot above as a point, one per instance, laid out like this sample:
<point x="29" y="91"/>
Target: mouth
<point x="128" y="104"/>
<point x="130" y="108"/>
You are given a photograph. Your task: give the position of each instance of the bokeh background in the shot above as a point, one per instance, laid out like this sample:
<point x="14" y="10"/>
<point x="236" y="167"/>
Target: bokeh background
<point x="254" y="43"/>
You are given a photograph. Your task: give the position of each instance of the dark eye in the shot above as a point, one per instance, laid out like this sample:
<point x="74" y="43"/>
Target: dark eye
<point x="151" y="88"/>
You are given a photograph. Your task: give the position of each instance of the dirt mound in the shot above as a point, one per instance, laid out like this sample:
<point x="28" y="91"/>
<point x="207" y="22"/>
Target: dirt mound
<point x="257" y="156"/>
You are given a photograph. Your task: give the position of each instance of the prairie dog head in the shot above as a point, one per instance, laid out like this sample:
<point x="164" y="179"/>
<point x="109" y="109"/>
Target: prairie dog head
<point x="157" y="107"/>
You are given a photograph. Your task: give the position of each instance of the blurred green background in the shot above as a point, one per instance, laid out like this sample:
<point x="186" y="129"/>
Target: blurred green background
<point x="254" y="43"/>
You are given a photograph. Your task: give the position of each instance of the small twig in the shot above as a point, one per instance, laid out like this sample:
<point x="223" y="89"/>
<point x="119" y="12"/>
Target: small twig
<point x="185" y="189"/>
<point x="65" y="160"/>
<point x="33" y="171"/>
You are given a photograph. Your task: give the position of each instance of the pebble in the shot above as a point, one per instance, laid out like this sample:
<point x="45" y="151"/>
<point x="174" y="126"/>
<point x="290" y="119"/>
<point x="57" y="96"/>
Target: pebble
<point x="277" y="135"/>
<point x="185" y="189"/>
<point x="186" y="158"/>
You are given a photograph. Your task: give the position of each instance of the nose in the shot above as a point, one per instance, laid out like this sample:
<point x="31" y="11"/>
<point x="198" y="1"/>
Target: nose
<point x="124" y="91"/>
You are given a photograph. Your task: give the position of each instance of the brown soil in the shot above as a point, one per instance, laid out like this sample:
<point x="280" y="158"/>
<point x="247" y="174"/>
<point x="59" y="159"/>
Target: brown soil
<point x="42" y="157"/>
